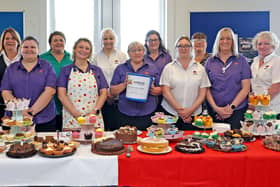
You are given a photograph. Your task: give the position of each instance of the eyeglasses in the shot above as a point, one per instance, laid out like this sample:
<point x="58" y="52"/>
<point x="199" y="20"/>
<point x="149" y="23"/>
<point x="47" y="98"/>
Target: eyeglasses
<point x="153" y="40"/>
<point x="198" y="40"/>
<point x="183" y="46"/>
<point x="136" y="50"/>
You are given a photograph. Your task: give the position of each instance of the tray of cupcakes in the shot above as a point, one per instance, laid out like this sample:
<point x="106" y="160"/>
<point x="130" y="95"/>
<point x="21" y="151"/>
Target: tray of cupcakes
<point x="226" y="144"/>
<point x="171" y="133"/>
<point x="237" y="133"/>
<point x="52" y="148"/>
<point x="272" y="142"/>
<point x="8" y="138"/>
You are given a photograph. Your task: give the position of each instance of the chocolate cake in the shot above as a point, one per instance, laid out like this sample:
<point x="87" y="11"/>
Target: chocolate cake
<point x="107" y="146"/>
<point x="189" y="147"/>
<point x="21" y="151"/>
<point x="127" y="134"/>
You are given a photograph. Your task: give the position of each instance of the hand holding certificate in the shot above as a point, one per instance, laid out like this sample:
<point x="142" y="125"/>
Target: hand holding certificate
<point x="138" y="87"/>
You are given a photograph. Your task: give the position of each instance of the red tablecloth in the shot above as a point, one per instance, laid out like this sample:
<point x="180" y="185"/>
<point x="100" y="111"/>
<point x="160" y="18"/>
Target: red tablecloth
<point x="255" y="167"/>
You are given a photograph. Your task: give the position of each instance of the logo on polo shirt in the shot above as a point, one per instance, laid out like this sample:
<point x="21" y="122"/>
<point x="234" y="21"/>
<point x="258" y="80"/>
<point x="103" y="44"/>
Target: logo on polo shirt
<point x="40" y="70"/>
<point x="265" y="67"/>
<point x="146" y="73"/>
<point x="195" y="72"/>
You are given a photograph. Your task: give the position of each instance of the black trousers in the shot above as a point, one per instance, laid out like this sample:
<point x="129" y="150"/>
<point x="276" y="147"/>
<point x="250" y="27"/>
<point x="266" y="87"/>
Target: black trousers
<point x="46" y="127"/>
<point x="59" y="122"/>
<point x="109" y="112"/>
<point x="233" y="120"/>
<point x="141" y="122"/>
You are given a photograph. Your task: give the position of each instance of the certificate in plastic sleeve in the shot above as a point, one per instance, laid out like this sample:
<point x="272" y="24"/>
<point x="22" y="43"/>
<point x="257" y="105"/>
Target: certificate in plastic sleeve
<point x="138" y="87"/>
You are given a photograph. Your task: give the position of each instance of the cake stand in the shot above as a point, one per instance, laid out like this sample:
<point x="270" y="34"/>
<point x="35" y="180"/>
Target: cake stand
<point x="259" y="126"/>
<point x="86" y="133"/>
<point x="19" y="127"/>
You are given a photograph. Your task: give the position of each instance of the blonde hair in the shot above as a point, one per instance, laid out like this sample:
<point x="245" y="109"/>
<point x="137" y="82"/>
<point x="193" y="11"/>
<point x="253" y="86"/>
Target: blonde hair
<point x="216" y="46"/>
<point x="79" y="41"/>
<point x="14" y="34"/>
<point x="268" y="35"/>
<point x="109" y="31"/>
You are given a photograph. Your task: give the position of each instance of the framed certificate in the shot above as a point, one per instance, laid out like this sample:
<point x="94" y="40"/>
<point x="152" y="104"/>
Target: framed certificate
<point x="138" y="87"/>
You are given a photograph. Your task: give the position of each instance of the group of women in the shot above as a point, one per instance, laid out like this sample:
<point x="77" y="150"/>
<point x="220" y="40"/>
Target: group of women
<point x="81" y="87"/>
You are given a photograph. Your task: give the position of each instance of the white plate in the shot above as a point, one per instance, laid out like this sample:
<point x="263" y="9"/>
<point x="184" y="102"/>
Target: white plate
<point x="169" y="149"/>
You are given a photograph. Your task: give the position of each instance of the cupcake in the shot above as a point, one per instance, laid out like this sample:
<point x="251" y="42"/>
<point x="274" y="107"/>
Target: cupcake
<point x="197" y="134"/>
<point x="88" y="136"/>
<point x="267" y="115"/>
<point x="198" y="122"/>
<point x="265" y="99"/>
<point x="75" y="135"/>
<point x="99" y="133"/>
<point x="248" y="114"/>
<point x="204" y="135"/>
<point x="256" y="115"/>
<point x="81" y="120"/>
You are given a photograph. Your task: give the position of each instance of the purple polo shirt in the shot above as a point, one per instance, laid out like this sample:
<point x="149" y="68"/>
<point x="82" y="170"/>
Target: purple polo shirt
<point x="134" y="108"/>
<point x="31" y="84"/>
<point x="162" y="59"/>
<point x="98" y="74"/>
<point x="226" y="78"/>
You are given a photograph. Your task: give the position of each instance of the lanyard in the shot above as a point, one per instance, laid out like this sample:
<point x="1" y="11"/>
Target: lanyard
<point x="224" y="68"/>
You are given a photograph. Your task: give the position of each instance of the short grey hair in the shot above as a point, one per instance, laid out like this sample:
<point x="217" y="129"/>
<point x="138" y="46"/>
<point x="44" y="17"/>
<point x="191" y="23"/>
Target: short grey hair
<point x="216" y="46"/>
<point x="135" y="44"/>
<point x="268" y="35"/>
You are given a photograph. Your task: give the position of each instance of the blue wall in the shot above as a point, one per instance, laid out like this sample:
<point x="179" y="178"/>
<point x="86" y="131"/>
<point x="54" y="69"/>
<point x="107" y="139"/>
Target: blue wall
<point x="245" y="24"/>
<point x="12" y="19"/>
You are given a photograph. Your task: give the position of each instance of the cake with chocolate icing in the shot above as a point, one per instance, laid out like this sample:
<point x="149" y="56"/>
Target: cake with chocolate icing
<point x="127" y="134"/>
<point x="189" y="147"/>
<point x="21" y="151"/>
<point x="107" y="146"/>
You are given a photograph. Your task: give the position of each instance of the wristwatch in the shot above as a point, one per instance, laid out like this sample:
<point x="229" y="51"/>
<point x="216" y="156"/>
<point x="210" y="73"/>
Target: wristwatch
<point x="97" y="111"/>
<point x="232" y="107"/>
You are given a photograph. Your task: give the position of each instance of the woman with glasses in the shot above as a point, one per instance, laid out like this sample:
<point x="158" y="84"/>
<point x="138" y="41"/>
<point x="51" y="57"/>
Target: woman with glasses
<point x="184" y="83"/>
<point x="133" y="112"/>
<point x="108" y="58"/>
<point x="266" y="68"/>
<point x="230" y="75"/>
<point x="156" y="53"/>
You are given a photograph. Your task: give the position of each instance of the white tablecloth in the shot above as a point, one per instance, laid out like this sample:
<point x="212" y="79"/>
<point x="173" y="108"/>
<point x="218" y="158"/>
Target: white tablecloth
<point x="83" y="168"/>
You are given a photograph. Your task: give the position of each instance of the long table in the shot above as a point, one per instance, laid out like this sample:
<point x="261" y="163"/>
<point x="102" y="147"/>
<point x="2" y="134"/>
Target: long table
<point x="257" y="166"/>
<point x="82" y="169"/>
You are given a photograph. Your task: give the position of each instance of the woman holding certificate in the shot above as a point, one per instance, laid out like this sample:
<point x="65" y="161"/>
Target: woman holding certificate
<point x="184" y="83"/>
<point x="136" y="84"/>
